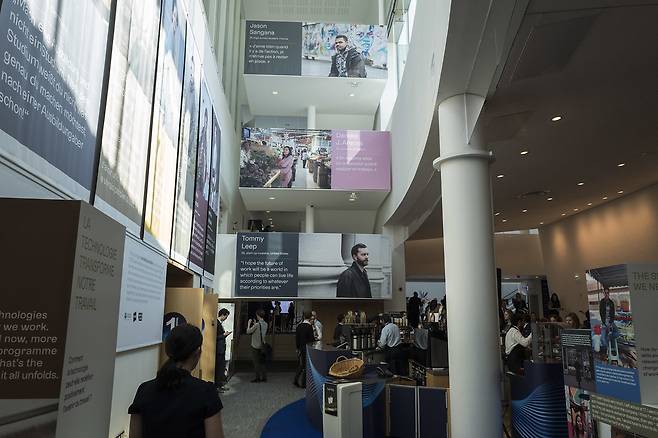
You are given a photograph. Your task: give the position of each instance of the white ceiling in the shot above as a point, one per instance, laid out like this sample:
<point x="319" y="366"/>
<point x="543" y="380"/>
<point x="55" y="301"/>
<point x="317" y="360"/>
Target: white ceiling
<point x="258" y="199"/>
<point x="597" y="69"/>
<point x="330" y="11"/>
<point x="296" y="94"/>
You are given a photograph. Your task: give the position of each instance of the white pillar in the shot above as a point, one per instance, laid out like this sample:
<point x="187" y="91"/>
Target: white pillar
<point x="473" y="340"/>
<point x="309" y="223"/>
<point x="382" y="12"/>
<point x="310" y="117"/>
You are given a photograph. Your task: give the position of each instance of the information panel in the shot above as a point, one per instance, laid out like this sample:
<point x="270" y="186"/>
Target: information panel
<point x="316" y="49"/>
<point x="158" y="218"/>
<point x="51" y="78"/>
<point x="213" y="205"/>
<point x="319" y="265"/>
<point x="186" y="168"/>
<point x="124" y="150"/>
<point x="202" y="184"/>
<point x="142" y="296"/>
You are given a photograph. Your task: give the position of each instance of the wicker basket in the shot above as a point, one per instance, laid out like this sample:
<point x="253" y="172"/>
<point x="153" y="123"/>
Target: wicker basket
<point x="345" y="368"/>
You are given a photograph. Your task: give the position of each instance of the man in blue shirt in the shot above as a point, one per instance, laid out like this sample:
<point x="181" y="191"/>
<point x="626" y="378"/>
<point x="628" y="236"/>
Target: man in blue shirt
<point x="389" y="341"/>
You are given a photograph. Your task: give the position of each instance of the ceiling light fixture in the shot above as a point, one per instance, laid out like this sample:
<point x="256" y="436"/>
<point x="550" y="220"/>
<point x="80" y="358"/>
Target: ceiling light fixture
<point x="524" y="210"/>
<point x="353" y="197"/>
<point x="556" y="119"/>
<point x="575" y="209"/>
<point x="589" y="204"/>
<point x="269" y="219"/>
<point x="621" y="164"/>
<point x="620" y="192"/>
<point x="272" y="198"/>
<point x="604" y="198"/>
<point x="496" y="214"/>
<point x="504" y="220"/>
<point x="541" y="223"/>
<point x="500" y="176"/>
<point x="581" y="183"/>
<point x="524" y="152"/>
<point x="275" y="92"/>
<point x="564" y="214"/>
<point x="549" y="199"/>
<point x="351" y="94"/>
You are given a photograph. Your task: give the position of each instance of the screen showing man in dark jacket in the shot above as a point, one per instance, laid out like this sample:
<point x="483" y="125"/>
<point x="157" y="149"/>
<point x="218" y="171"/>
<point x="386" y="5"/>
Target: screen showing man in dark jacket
<point x="347" y="62"/>
<point x="353" y="282"/>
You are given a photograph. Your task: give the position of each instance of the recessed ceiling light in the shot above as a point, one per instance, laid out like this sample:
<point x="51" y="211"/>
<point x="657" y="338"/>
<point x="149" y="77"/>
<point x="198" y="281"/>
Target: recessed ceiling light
<point x="524" y="152"/>
<point x="275" y="92"/>
<point x="549" y="199"/>
<point x="269" y="219"/>
<point x="351" y="94"/>
<point x="604" y="198"/>
<point x="541" y="223"/>
<point x="576" y="276"/>
<point x="575" y="209"/>
<point x="272" y="198"/>
<point x="496" y="214"/>
<point x="351" y="199"/>
<point x="621" y="164"/>
<point x="524" y="210"/>
<point x="504" y="220"/>
<point x="500" y="175"/>
<point x="564" y="214"/>
<point x="581" y="183"/>
<point x="589" y="204"/>
<point x="267" y="211"/>
<point x="556" y="119"/>
<point x="620" y="192"/>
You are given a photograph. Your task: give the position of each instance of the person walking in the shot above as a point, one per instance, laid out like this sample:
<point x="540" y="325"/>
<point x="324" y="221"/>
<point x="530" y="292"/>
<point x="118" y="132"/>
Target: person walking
<point x="303" y="335"/>
<point x="220" y="350"/>
<point x="258" y="329"/>
<point x="175" y="403"/>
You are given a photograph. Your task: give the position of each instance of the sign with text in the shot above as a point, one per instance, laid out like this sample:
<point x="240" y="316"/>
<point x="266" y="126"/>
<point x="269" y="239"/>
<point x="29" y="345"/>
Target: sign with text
<point x="315" y="159"/>
<point x="213" y="201"/>
<point x="52" y="69"/>
<point x="319" y="265"/>
<point x="142" y="296"/>
<point x="624" y="341"/>
<point x="625" y="418"/>
<point x="59" y="331"/>
<point x="316" y="49"/>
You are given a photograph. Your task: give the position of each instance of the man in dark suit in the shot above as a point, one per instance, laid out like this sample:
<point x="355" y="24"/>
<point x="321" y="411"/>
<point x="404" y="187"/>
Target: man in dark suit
<point x="303" y="335"/>
<point x="220" y="350"/>
<point x="353" y="282"/>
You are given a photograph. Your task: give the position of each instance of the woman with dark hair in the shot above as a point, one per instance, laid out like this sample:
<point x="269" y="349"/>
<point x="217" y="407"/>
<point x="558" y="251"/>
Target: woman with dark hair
<point x="572" y="320"/>
<point x="285" y="165"/>
<point x="176" y="404"/>
<point x="554" y="303"/>
<point x="258" y="329"/>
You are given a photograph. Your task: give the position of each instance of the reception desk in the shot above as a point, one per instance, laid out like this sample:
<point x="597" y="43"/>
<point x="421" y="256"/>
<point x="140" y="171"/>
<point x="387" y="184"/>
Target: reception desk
<point x="319" y="359"/>
<point x="538" y="402"/>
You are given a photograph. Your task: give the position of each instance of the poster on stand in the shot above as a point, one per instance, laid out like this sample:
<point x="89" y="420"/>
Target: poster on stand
<point x="580" y="422"/>
<point x="577" y="359"/>
<point x="57" y="349"/>
<point x="202" y="183"/>
<point x="158" y="220"/>
<point x="213" y="203"/>
<point x="624" y="340"/>
<point x="316" y="49"/>
<point x="315" y="159"/>
<point x="52" y="82"/>
<point x="309" y="266"/>
<point x="124" y="145"/>
<point x="186" y="166"/>
<point x="142" y="296"/>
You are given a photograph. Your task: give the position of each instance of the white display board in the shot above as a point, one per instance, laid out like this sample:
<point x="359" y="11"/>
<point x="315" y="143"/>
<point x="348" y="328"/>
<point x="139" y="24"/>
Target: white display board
<point x="142" y="296"/>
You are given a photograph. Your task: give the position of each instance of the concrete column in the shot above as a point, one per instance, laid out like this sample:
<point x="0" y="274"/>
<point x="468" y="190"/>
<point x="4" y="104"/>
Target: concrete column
<point x="473" y="342"/>
<point x="382" y="12"/>
<point x="309" y="223"/>
<point x="310" y="117"/>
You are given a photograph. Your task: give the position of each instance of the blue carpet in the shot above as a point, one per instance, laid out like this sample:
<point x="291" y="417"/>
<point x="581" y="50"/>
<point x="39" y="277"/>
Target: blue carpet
<point x="290" y="422"/>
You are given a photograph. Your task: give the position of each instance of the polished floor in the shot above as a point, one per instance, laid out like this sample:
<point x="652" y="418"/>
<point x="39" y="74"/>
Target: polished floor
<point x="248" y="406"/>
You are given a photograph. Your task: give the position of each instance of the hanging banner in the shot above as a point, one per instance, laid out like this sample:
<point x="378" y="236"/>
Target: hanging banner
<point x="315" y="159"/>
<point x="124" y="146"/>
<point x="316" y="49"/>
<point x="53" y="62"/>
<point x="213" y="204"/>
<point x="309" y="266"/>
<point x="202" y="184"/>
<point x="161" y="187"/>
<point x="186" y="169"/>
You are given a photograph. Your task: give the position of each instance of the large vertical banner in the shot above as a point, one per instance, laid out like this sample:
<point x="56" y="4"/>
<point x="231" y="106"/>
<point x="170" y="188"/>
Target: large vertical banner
<point x="158" y="216"/>
<point x="202" y="183"/>
<point x="124" y="149"/>
<point x="59" y="328"/>
<point x="186" y="168"/>
<point x="53" y="61"/>
<point x="213" y="203"/>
